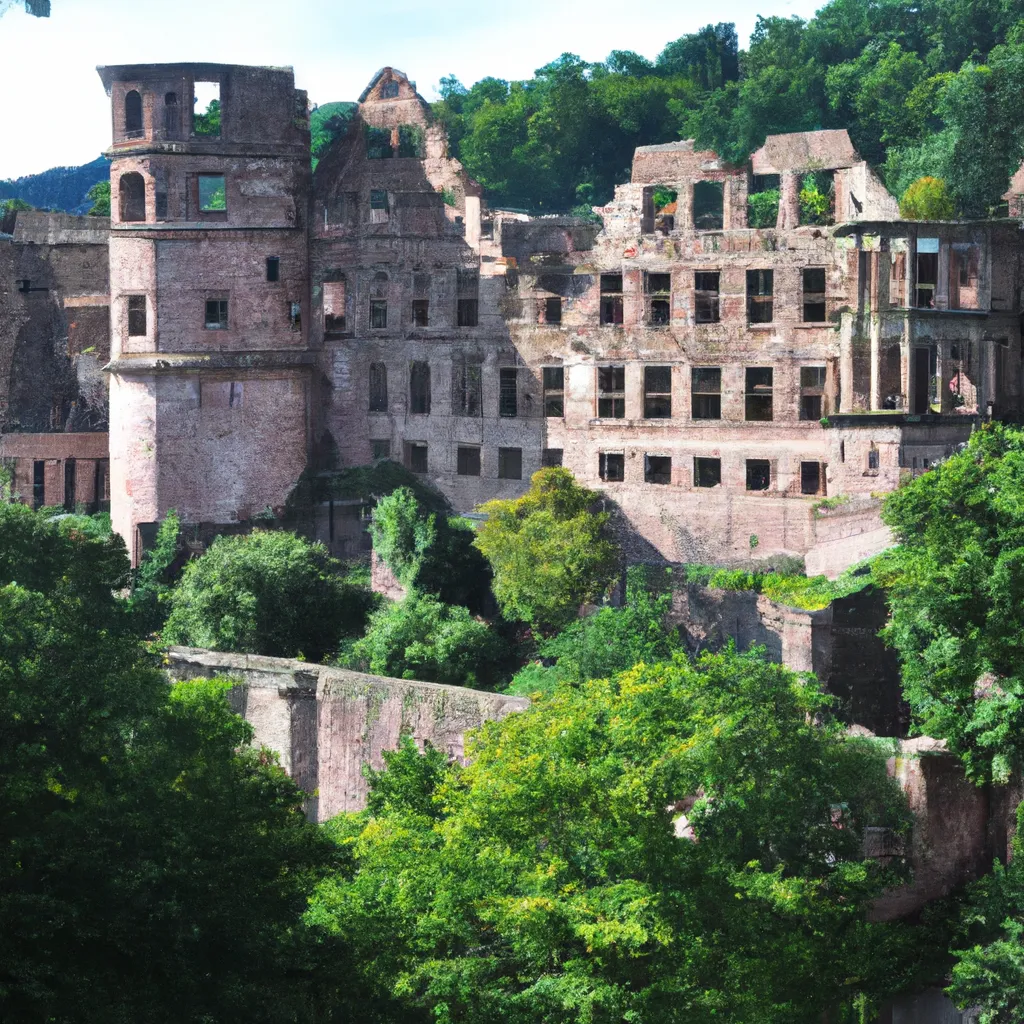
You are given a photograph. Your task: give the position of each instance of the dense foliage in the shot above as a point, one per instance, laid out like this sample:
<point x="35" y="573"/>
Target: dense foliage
<point x="59" y="188"/>
<point x="268" y="592"/>
<point x="956" y="597"/>
<point x="927" y="199"/>
<point x="554" y="878"/>
<point x="547" y="550"/>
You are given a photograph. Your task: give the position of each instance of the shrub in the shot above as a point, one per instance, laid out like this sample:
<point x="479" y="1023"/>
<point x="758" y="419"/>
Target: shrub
<point x="927" y="199"/>
<point x="816" y="199"/>
<point x="763" y="208"/>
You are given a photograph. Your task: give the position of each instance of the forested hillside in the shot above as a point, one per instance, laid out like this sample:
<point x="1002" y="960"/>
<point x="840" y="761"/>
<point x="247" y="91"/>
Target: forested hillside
<point x="59" y="188"/>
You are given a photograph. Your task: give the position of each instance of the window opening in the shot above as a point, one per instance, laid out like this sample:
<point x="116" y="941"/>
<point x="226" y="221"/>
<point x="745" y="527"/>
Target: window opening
<point x="216" y="314"/>
<point x="467" y="388"/>
<point x="273" y="268"/>
<point x="133" y="115"/>
<point x="389" y="90"/>
<point x="510" y="463"/>
<point x="419" y="388"/>
<point x="508" y="391"/>
<point x="206" y="115"/>
<point x="873" y="458"/>
<point x="763" y="201"/>
<point x="812" y="390"/>
<point x="759" y="474"/>
<point x="235" y="391"/>
<point x="554" y="391"/>
<point x="334" y="306"/>
<point x="160" y="194"/>
<point x="410" y="141"/>
<point x="421" y="300"/>
<point x="706" y="393"/>
<point x="658" y="290"/>
<point x="814" y="295"/>
<point x="611" y="298"/>
<point x="132" y="197"/>
<point x="707" y="472"/>
<point x="136" y="316"/>
<point x="657" y="392"/>
<point x="380" y="209"/>
<point x="551" y="457"/>
<point x="38" y="483"/>
<point x="760" y="289"/>
<point x="706" y="292"/>
<point x="927" y="272"/>
<point x="897" y="279"/>
<point x="468" y="282"/>
<point x="378" y="143"/>
<point x="553" y="309"/>
<point x="810" y="477"/>
<point x="295" y="316"/>
<point x="817" y="197"/>
<point x="611" y="392"/>
<point x="417" y="457"/>
<point x="963" y="276"/>
<point x="379" y="301"/>
<point x="758" y="393"/>
<point x="657" y="469"/>
<point x="380" y="449"/>
<point x="468" y="459"/>
<point x="708" y="205"/>
<point x="69" y="485"/>
<point x="611" y="466"/>
<point x="378" y="387"/>
<point x="172" y="115"/>
<point x="212" y="195"/>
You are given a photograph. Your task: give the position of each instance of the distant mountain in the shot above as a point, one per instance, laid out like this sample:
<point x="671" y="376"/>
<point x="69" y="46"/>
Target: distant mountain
<point x="59" y="188"/>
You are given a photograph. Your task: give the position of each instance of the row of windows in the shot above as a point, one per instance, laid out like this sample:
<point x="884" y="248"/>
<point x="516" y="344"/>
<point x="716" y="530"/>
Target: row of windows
<point x="467" y="458"/>
<point x="215" y="315"/>
<point x="467" y="389"/>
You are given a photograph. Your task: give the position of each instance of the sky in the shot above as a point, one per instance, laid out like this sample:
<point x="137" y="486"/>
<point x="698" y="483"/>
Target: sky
<point x="53" y="110"/>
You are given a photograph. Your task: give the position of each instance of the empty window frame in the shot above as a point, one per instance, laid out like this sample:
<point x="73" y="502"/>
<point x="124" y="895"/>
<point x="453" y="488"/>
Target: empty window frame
<point x="295" y="315"/>
<point x="873" y="460"/>
<point x="380" y="209"/>
<point x="378" y="143"/>
<point x="706" y="297"/>
<point x="708" y="205"/>
<point x="378" y="387"/>
<point x="467" y="388"/>
<point x="510" y="463"/>
<point x="410" y="141"/>
<point x="380" y="449"/>
<point x="758" y="393"/>
<point x="389" y="90"/>
<point x="467" y="309"/>
<point x="468" y="460"/>
<point x="814" y="295"/>
<point x="419" y="388"/>
<point x="160" y="194"/>
<point x="810" y="477"/>
<point x="759" y="474"/>
<point x="172" y="115"/>
<point x="421" y="300"/>
<point x="216" y="314"/>
<point x="206" y="109"/>
<point x="550" y="457"/>
<point x="554" y="391"/>
<point x="131" y="193"/>
<point x="611" y="392"/>
<point x="553" y="309"/>
<point x="611" y="298"/>
<point x="963" y="276"/>
<point x="707" y="472"/>
<point x="335" y="294"/>
<point x="416" y="456"/>
<point x="927" y="272"/>
<point x="508" y="391"/>
<point x="658" y="296"/>
<point x="657" y="469"/>
<point x="38" y="483"/>
<point x="611" y="466"/>
<point x="133" y="115"/>
<point x="760" y="291"/>
<point x="379" y="301"/>
<point x="273" y="268"/>
<point x="812" y="391"/>
<point x="136" y="316"/>
<point x="212" y="195"/>
<point x="706" y="393"/>
<point x="657" y="392"/>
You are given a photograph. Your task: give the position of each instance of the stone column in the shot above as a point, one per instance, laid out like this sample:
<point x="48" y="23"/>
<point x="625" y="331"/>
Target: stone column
<point x="789" y="201"/>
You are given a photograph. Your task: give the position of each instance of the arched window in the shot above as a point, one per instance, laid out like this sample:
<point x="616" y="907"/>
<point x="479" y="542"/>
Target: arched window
<point x="379" y="300"/>
<point x="132" y="197"/>
<point x="132" y="115"/>
<point x="172" y="116"/>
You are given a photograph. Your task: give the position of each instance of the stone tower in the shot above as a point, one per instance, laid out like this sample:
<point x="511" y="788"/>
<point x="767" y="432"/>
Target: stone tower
<point x="210" y="368"/>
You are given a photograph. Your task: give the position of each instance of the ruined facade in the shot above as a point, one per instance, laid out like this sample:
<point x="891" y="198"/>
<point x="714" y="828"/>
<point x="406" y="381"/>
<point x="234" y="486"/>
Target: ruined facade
<point x="717" y="350"/>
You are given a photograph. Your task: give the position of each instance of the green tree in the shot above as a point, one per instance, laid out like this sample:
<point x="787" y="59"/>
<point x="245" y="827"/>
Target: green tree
<point x="268" y="592"/>
<point x="99" y="196"/>
<point x="554" y="879"/>
<point x="547" y="550"/>
<point x="926" y="199"/>
<point x="955" y="588"/>
<point x="151" y="592"/>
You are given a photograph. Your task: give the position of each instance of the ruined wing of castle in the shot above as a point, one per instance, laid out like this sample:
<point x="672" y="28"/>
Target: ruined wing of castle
<point x="244" y="319"/>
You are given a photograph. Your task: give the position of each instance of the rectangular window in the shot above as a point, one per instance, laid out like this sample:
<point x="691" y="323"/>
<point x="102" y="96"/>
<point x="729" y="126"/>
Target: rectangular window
<point x="212" y="196"/>
<point x="759" y="474"/>
<point x="657" y="469"/>
<point x="379" y="208"/>
<point x="897" y="279"/>
<point x="706" y="393"/>
<point x="378" y="314"/>
<point x="657" y="392"/>
<point x="381" y="449"/>
<point x="873" y="458"/>
<point x="611" y="466"/>
<point x="468" y="283"/>
<point x="611" y="392"/>
<point x="554" y="391"/>
<point x="707" y="472"/>
<point x="927" y="272"/>
<point x="419" y="388"/>
<point x="468" y="312"/>
<point x="551" y="457"/>
<point x="658" y="294"/>
<point x="812" y="391"/>
<point x="295" y="315"/>
<point x="510" y="463"/>
<point x="467" y="388"/>
<point x="759" y="393"/>
<point x="417" y="456"/>
<point x="136" y="316"/>
<point x="216" y="314"/>
<point x="410" y="141"/>
<point x="708" y="205"/>
<point x="468" y="461"/>
<point x="760" y="285"/>
<point x="160" y="194"/>
<point x="378" y="387"/>
<point x="814" y="295"/>
<point x="334" y="306"/>
<point x="38" y="483"/>
<point x="378" y="143"/>
<point x="553" y="309"/>
<point x="810" y="477"/>
<point x="273" y="268"/>
<point x="963" y="276"/>
<point x="706" y="291"/>
<point x="206" y="111"/>
<point x="611" y="298"/>
<point x="508" y="395"/>
<point x="421" y="312"/>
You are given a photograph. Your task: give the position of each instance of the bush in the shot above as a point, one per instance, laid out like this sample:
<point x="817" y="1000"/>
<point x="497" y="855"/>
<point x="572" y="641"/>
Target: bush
<point x="763" y="208"/>
<point x="422" y="638"/>
<point x="816" y="198"/>
<point x="265" y="593"/>
<point x="927" y="199"/>
<point x="149" y="601"/>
